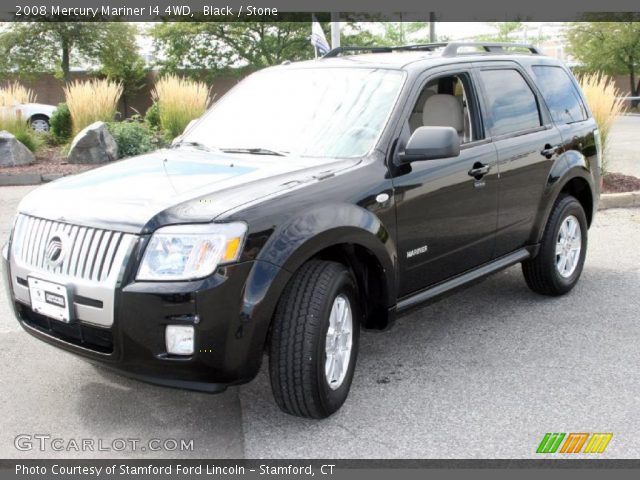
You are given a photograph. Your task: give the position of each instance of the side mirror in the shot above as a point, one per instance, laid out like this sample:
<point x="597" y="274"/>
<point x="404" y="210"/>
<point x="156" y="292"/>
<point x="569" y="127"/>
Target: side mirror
<point x="431" y="143"/>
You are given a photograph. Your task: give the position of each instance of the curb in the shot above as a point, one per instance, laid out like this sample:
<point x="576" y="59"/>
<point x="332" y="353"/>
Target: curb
<point x="619" y="200"/>
<point x="21" y="179"/>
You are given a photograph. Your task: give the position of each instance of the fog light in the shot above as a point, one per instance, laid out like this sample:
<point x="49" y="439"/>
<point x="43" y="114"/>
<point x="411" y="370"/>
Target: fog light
<point x="179" y="339"/>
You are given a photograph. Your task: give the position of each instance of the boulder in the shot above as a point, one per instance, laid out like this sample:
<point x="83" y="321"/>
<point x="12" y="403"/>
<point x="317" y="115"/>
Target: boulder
<point x="12" y="152"/>
<point x="94" y="144"/>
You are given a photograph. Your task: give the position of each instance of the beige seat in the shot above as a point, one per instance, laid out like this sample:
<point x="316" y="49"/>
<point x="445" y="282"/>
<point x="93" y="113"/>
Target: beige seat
<point x="415" y="120"/>
<point x="444" y="111"/>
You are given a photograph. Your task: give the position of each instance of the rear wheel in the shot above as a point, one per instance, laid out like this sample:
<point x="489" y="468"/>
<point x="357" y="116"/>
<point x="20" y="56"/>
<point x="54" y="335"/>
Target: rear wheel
<point x="314" y="341"/>
<point x="558" y="265"/>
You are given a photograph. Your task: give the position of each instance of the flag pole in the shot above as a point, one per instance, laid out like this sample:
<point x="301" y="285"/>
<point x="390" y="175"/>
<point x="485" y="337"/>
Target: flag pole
<point x="335" y="29"/>
<point x="315" y="48"/>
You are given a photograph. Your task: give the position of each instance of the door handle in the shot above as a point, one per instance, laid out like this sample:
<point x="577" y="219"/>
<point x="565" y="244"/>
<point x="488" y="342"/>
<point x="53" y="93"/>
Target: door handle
<point x="479" y="170"/>
<point x="549" y="150"/>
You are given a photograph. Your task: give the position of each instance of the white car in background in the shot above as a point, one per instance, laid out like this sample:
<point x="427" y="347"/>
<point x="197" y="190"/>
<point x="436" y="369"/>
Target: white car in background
<point x="36" y="114"/>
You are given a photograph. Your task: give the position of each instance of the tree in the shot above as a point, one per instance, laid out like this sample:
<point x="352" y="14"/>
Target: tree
<point x="393" y="34"/>
<point x="398" y="33"/>
<point x="610" y="47"/>
<point x="218" y="46"/>
<point x="121" y="61"/>
<point x="33" y="48"/>
<point x="195" y="47"/>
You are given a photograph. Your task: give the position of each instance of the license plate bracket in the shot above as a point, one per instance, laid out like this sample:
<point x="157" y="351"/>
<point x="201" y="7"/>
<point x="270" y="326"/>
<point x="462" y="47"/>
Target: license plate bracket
<point x="50" y="299"/>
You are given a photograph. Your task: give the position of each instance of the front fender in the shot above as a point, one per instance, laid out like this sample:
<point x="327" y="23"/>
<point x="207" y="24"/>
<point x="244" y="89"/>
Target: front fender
<point x="292" y="244"/>
<point x="321" y="226"/>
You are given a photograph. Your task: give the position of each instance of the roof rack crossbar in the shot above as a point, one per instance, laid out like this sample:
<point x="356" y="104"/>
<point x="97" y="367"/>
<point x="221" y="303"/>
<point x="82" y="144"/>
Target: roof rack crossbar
<point x="450" y="49"/>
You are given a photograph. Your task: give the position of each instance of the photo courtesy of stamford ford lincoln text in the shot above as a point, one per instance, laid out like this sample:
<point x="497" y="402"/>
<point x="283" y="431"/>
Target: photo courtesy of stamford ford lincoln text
<point x="339" y="238"/>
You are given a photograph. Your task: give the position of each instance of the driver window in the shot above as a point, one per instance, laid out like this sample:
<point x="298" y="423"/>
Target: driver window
<point x="446" y="102"/>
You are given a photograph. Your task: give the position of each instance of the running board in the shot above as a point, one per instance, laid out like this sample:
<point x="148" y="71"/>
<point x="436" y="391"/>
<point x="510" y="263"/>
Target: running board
<point x="461" y="280"/>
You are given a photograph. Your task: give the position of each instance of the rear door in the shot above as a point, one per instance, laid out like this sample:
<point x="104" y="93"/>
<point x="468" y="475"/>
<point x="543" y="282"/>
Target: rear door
<point x="527" y="144"/>
<point x="567" y="110"/>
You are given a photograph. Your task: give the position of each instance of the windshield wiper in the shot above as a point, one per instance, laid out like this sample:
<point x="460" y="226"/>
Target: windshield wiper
<point x="255" y="151"/>
<point x="199" y="145"/>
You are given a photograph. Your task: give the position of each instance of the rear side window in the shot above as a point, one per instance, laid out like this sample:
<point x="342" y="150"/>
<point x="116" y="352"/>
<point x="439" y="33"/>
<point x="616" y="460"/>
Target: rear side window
<point x="560" y="94"/>
<point x="511" y="103"/>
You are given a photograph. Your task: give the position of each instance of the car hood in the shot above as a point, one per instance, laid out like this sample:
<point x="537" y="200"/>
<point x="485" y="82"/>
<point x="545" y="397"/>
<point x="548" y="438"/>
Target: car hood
<point x="172" y="186"/>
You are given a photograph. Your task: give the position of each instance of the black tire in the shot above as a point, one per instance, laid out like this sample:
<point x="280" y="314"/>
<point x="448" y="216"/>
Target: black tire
<point x="541" y="274"/>
<point x="297" y="346"/>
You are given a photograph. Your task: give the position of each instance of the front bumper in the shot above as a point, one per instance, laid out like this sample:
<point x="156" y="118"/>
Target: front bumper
<point x="230" y="311"/>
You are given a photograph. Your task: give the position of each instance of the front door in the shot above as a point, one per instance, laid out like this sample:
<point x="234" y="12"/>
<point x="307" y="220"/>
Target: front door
<point x="446" y="209"/>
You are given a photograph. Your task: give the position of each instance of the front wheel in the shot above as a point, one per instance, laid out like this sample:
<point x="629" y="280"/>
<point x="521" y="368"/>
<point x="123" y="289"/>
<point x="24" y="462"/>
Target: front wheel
<point x="558" y="265"/>
<point x="314" y="340"/>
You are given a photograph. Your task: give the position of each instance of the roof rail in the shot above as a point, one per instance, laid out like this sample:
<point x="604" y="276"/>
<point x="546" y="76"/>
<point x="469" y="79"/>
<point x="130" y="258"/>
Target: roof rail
<point x="339" y="50"/>
<point x="422" y="46"/>
<point x="450" y="49"/>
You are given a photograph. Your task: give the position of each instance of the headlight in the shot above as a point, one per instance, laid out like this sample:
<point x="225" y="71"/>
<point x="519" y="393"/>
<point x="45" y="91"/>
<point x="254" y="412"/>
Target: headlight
<point x="188" y="252"/>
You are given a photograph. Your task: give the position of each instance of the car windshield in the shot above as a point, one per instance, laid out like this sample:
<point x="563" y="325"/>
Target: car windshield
<point x="313" y="112"/>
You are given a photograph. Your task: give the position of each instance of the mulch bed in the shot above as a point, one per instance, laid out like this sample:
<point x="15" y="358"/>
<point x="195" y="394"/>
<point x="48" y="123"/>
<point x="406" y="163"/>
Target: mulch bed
<point x="619" y="183"/>
<point x="48" y="160"/>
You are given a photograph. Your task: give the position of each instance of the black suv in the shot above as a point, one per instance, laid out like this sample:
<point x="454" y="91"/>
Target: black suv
<point x="311" y="201"/>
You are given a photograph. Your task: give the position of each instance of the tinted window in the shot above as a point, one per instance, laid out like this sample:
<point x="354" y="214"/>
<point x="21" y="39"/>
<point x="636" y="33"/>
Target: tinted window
<point x="560" y="94"/>
<point x="512" y="105"/>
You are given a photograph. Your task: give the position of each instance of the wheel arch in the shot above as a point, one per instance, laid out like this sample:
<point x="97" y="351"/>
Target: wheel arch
<point x="578" y="187"/>
<point x="347" y="234"/>
<point x="571" y="176"/>
<point x="37" y="116"/>
<point x="371" y="280"/>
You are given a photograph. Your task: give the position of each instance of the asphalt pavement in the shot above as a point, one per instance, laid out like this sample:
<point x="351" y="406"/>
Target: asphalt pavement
<point x="484" y="373"/>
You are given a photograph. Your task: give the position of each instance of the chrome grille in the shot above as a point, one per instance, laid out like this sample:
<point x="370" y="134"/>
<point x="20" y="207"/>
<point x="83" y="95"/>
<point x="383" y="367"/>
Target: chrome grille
<point x="90" y="251"/>
<point x="91" y="267"/>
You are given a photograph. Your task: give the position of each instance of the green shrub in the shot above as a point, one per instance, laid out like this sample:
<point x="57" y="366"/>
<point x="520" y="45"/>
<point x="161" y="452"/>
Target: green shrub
<point x="15" y="125"/>
<point x="60" y="124"/>
<point x="133" y="138"/>
<point x="30" y="139"/>
<point x="152" y="117"/>
<point x="47" y="139"/>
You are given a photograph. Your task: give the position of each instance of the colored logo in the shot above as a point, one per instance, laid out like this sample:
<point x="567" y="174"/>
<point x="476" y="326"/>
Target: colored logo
<point x="574" y="442"/>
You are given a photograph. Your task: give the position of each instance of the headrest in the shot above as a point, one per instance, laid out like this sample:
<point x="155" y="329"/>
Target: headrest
<point x="443" y="111"/>
<point x="422" y="99"/>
